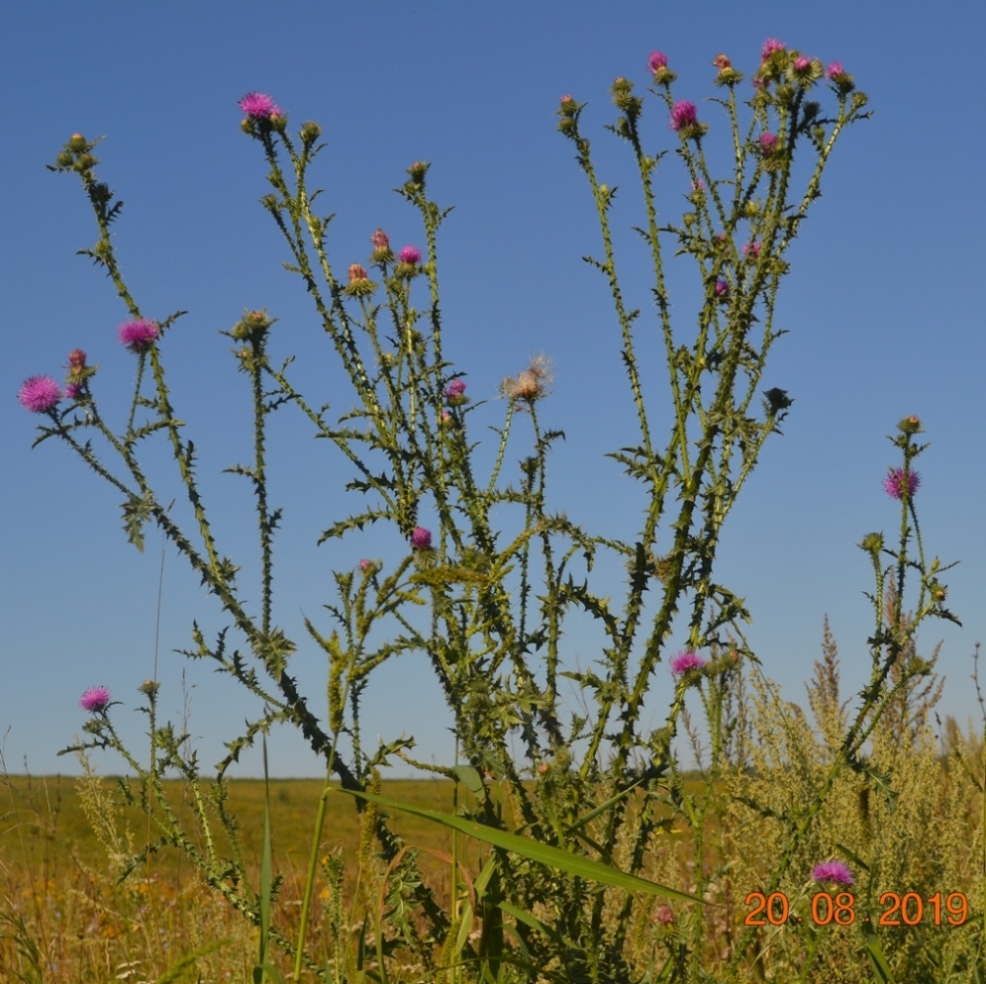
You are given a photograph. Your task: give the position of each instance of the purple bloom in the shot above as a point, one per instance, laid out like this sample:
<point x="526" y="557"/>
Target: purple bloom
<point x="380" y="240"/>
<point x="832" y="871"/>
<point x="769" y="47"/>
<point x="768" y="144"/>
<point x="259" y="106"/>
<point x="410" y="254"/>
<point x="893" y="484"/>
<point x="138" y="336"/>
<point x="74" y="390"/>
<point x="802" y="64"/>
<point x="657" y="61"/>
<point x="683" y="115"/>
<point x="95" y="699"/>
<point x="665" y="915"/>
<point x="686" y="661"/>
<point x="367" y="566"/>
<point x="752" y="250"/>
<point x="39" y="394"/>
<point x="835" y="69"/>
<point x="722" y="287"/>
<point x="421" y="538"/>
<point x="456" y="388"/>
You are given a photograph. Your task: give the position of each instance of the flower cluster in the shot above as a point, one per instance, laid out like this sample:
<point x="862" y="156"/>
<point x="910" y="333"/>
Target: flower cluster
<point x="531" y="384"/>
<point x="686" y="661"/>
<point x="381" y="247"/>
<point x="684" y="120"/>
<point x="39" y="394"/>
<point x="895" y="483"/>
<point x="833" y="871"/>
<point x="359" y="284"/>
<point x="658" y="65"/>
<point x="455" y="393"/>
<point x="139" y="336"/>
<point x="95" y="700"/>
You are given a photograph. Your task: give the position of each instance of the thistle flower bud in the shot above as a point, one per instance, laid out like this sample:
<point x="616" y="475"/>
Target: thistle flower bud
<point x="910" y="425"/>
<point x="77" y="143"/>
<point x="840" y="78"/>
<point x="727" y="74"/>
<point x="684" y="120"/>
<point x="418" y="170"/>
<point x="658" y="65"/>
<point x="360" y="284"/>
<point x="252" y="326"/>
<point x="310" y="132"/>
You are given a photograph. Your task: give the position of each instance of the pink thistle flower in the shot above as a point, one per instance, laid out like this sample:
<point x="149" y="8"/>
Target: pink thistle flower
<point x="833" y="871"/>
<point x="722" y="62"/>
<point x="410" y="254"/>
<point x="380" y="240"/>
<point x="76" y="359"/>
<point x="74" y="390"/>
<point x="769" y="47"/>
<point x="684" y="114"/>
<point x="698" y="187"/>
<point x="768" y="144"/>
<point x="752" y="250"/>
<point x="95" y="699"/>
<point x="657" y="61"/>
<point x="456" y="388"/>
<point x="665" y="916"/>
<point x="139" y="336"/>
<point x="802" y="64"/>
<point x="367" y="566"/>
<point x="39" y="394"/>
<point x="686" y="661"/>
<point x="894" y="486"/>
<point x="721" y="288"/>
<point x="357" y="272"/>
<point x="259" y="106"/>
<point x="835" y="69"/>
<point x="421" y="538"/>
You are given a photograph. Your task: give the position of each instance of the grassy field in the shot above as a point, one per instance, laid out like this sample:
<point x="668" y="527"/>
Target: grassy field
<point x="65" y="911"/>
<point x="59" y="893"/>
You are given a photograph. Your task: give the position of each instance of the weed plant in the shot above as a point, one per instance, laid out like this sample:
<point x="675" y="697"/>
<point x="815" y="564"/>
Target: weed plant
<point x="596" y="860"/>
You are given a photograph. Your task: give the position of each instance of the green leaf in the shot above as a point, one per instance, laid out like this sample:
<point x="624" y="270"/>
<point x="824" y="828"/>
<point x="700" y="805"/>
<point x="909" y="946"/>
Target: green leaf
<point x="136" y="512"/>
<point x="547" y="854"/>
<point x="881" y="968"/>
<point x="468" y="775"/>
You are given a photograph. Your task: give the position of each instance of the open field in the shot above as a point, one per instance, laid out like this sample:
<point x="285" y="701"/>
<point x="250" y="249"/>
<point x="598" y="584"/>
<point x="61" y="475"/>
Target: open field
<point x="59" y="868"/>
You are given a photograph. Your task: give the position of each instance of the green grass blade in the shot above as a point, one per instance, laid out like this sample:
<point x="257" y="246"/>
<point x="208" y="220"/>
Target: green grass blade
<point x="265" y="881"/>
<point x="878" y="960"/>
<point x="554" y="857"/>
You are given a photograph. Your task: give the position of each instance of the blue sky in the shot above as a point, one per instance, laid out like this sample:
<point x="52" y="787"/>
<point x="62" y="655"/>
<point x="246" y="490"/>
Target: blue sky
<point x="882" y="305"/>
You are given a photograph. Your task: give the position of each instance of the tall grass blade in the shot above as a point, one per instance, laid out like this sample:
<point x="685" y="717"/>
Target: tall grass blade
<point x="547" y="854"/>
<point x="263" y="967"/>
<point x="878" y="960"/>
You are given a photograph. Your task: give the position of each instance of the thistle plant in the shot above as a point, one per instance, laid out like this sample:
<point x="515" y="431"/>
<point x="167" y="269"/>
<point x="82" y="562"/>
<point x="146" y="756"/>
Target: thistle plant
<point x="571" y="819"/>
